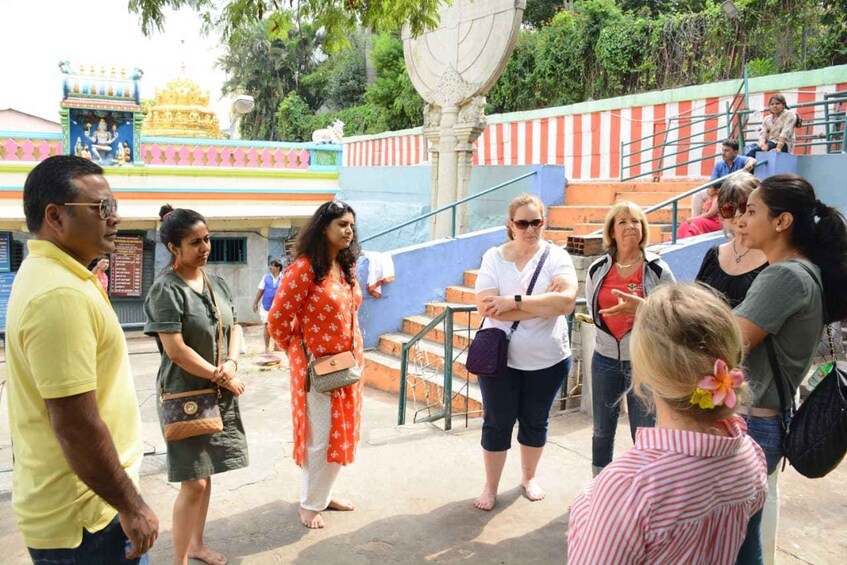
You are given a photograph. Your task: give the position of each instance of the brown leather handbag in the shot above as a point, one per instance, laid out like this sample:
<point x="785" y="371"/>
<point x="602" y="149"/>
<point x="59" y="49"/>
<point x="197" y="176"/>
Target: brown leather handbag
<point x="334" y="371"/>
<point x="195" y="412"/>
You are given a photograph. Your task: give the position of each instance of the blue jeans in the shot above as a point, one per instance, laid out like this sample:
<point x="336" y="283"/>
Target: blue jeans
<point x="610" y="379"/>
<point x="769" y="434"/>
<point x="109" y="546"/>
<point x="520" y="396"/>
<point x="771" y="145"/>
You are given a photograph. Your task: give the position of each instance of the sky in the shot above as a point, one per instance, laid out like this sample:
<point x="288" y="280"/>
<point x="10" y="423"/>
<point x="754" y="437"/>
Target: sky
<point x="36" y="34"/>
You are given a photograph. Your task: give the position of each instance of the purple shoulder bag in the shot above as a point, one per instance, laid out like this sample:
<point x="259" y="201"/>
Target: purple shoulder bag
<point x="489" y="350"/>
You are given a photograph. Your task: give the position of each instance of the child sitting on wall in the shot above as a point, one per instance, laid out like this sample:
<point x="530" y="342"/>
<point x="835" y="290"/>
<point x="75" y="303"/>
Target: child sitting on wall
<point x="685" y="492"/>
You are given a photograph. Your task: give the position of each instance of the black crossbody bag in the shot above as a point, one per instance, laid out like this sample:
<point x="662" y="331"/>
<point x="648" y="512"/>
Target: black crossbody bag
<point x="488" y="354"/>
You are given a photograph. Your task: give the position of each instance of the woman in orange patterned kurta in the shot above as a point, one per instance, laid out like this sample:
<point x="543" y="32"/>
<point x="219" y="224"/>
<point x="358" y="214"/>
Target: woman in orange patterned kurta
<point x="316" y="303"/>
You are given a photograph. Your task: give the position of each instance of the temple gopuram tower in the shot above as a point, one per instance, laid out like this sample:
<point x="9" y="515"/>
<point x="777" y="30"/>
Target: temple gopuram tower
<point x="182" y="110"/>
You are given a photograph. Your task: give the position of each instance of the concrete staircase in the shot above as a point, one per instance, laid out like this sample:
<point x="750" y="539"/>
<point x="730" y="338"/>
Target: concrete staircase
<point x="426" y="359"/>
<point x="586" y="206"/>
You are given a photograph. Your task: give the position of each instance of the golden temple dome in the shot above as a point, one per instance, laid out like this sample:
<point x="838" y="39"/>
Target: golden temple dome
<point x="181" y="110"/>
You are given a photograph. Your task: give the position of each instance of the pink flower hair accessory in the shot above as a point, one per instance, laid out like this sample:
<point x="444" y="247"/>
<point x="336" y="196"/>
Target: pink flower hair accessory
<point x="718" y="389"/>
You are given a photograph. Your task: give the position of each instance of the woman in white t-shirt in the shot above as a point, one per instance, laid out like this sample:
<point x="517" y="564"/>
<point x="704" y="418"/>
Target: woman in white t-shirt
<point x="539" y="353"/>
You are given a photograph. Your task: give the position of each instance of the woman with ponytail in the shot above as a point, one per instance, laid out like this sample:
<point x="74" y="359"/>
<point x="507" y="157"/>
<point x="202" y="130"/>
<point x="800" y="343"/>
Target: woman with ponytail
<point x="805" y="242"/>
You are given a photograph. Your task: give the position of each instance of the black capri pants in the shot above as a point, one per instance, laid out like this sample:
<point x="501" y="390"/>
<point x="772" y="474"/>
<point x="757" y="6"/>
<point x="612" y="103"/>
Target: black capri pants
<point x="522" y="396"/>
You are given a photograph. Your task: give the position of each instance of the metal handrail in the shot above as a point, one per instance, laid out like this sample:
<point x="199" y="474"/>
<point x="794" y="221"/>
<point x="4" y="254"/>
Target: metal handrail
<point x="689" y="122"/>
<point x="446" y="316"/>
<point x="452" y="207"/>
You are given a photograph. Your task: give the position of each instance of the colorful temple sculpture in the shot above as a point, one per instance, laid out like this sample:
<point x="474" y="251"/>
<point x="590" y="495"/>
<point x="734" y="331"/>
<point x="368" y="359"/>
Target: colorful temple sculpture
<point x="254" y="194"/>
<point x="182" y="110"/>
<point x="101" y="114"/>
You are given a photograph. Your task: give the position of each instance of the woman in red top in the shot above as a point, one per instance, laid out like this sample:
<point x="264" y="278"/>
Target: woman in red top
<point x="316" y="306"/>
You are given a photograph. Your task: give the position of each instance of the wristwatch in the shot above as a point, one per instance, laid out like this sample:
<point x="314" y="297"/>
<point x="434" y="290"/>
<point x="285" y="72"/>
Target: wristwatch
<point x="518" y="299"/>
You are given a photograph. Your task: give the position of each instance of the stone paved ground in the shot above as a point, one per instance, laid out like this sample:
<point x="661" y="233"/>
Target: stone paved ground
<point x="413" y="487"/>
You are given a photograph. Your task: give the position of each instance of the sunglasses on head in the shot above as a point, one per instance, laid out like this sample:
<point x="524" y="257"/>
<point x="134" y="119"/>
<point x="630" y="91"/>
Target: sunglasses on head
<point x="524" y="224"/>
<point x="106" y="206"/>
<point x="728" y="210"/>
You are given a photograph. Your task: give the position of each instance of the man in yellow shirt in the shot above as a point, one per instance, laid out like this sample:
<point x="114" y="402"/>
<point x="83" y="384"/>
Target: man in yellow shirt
<point x="73" y="413"/>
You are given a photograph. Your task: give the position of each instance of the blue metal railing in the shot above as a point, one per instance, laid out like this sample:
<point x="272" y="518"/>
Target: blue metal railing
<point x="452" y="207"/>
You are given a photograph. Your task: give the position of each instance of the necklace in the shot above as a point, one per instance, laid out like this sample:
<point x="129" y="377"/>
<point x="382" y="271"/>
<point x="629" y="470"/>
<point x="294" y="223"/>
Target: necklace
<point x="638" y="260"/>
<point x="737" y="256"/>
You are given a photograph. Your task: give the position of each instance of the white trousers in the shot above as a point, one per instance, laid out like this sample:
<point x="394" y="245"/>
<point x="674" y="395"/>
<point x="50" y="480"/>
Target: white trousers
<point x="317" y="476"/>
<point x="770" y="519"/>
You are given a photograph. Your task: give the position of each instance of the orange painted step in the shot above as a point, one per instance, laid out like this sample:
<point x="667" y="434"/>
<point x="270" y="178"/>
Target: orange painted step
<point x="569" y="216"/>
<point x="461" y="294"/>
<point x="471" y="319"/>
<point x="424" y="352"/>
<point x="652" y="198"/>
<point x="663" y="186"/>
<point x="383" y="373"/>
<point x="462" y="335"/>
<point x="589" y="194"/>
<point x="469" y="278"/>
<point x="557" y="236"/>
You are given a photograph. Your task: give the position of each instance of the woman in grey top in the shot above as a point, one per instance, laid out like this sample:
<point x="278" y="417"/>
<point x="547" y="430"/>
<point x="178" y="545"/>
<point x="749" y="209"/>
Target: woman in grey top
<point x="183" y="310"/>
<point x="805" y="242"/>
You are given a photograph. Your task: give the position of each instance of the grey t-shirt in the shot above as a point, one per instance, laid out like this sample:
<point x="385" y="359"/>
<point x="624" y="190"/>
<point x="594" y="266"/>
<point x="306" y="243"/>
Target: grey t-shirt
<point x="785" y="301"/>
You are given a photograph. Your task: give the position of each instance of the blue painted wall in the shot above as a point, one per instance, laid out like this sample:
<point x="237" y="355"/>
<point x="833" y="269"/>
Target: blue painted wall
<point x="777" y="163"/>
<point x="386" y="196"/>
<point x="684" y="259"/>
<point x="423" y="272"/>
<point x="828" y="174"/>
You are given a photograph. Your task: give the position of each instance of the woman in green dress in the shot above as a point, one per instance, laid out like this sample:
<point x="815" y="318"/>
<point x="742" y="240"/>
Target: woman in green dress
<point x="182" y="313"/>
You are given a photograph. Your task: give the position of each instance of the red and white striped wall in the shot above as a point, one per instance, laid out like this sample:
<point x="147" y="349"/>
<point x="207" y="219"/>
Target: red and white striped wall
<point x="588" y="143"/>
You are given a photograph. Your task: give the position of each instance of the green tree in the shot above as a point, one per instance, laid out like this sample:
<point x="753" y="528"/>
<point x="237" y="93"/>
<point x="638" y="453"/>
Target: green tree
<point x="539" y="13"/>
<point x="268" y="64"/>
<point x="294" y="119"/>
<point x="338" y="18"/>
<point x="393" y="91"/>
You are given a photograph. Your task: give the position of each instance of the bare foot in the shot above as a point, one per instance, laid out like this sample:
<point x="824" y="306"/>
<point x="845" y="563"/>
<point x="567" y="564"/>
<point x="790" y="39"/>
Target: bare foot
<point x="340" y="504"/>
<point x="532" y="491"/>
<point x="311" y="519"/>
<point x="486" y="500"/>
<point x="206" y="555"/>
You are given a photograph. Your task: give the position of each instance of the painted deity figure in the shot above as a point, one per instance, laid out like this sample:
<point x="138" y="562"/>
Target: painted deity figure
<point x="78" y="147"/>
<point x="119" y="154"/>
<point x="102" y="139"/>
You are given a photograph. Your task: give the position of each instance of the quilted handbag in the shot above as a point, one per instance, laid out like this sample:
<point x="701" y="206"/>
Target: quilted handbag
<point x="192" y="413"/>
<point x="195" y="412"/>
<point x="489" y="351"/>
<point x="816" y="438"/>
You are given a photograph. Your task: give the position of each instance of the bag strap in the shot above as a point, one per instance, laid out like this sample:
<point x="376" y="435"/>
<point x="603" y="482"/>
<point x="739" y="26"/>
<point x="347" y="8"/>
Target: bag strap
<point x="780" y="380"/>
<point x="220" y="349"/>
<point x="532" y="282"/>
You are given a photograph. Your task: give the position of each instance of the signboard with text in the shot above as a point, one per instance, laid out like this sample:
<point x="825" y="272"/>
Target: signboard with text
<point x="6" y="280"/>
<point x="125" y="269"/>
<point x="5" y="252"/>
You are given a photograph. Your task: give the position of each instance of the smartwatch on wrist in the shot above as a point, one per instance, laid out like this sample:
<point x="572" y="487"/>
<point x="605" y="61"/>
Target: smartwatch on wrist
<point x="518" y="299"/>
